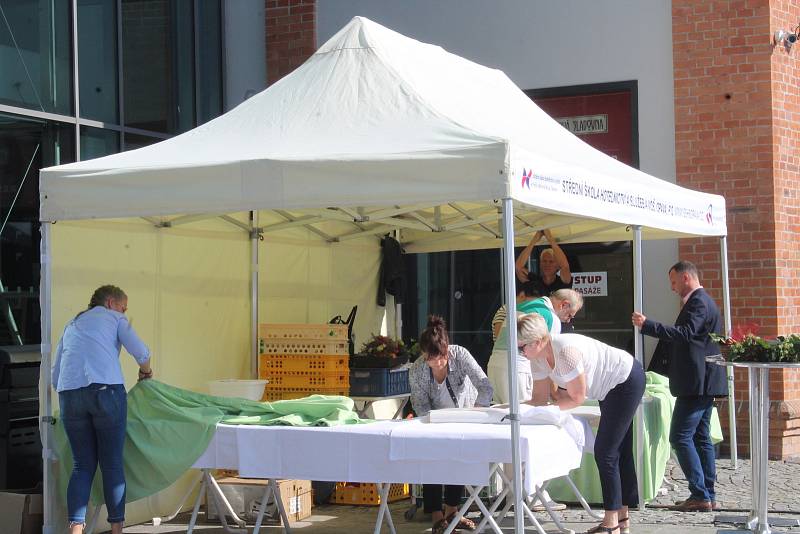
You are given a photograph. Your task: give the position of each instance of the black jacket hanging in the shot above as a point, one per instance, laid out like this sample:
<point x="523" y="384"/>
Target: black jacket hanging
<point x="392" y="277"/>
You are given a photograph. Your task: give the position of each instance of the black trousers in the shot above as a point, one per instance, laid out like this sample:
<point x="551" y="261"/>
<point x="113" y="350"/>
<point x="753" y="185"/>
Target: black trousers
<point x="613" y="446"/>
<point x="432" y="496"/>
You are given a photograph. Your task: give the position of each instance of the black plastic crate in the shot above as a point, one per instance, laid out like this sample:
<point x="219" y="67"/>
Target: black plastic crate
<point x="378" y="382"/>
<point x="363" y="361"/>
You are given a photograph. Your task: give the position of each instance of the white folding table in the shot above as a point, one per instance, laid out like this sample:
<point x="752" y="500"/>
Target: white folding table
<point x="386" y="452"/>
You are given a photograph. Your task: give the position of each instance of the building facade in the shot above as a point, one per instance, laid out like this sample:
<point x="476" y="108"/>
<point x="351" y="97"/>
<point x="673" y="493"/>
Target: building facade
<point x="82" y="79"/>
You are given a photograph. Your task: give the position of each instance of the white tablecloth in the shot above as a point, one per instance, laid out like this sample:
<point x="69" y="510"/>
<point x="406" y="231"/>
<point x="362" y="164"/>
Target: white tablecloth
<point x="391" y="451"/>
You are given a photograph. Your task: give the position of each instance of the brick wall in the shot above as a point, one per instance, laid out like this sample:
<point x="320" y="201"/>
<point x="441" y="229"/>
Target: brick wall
<point x="736" y="134"/>
<point x="291" y="35"/>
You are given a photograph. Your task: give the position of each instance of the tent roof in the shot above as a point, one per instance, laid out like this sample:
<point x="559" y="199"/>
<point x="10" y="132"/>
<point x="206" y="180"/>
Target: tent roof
<point x="382" y="131"/>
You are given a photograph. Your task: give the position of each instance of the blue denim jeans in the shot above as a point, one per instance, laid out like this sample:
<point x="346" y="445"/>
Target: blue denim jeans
<point x="690" y="436"/>
<point x="95" y="419"/>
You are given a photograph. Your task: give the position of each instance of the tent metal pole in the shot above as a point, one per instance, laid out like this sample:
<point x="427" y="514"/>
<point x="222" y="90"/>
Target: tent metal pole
<point x="726" y="303"/>
<point x="398" y="308"/>
<point x="45" y="386"/>
<point x="513" y="394"/>
<point x="638" y="350"/>
<point x="255" y="236"/>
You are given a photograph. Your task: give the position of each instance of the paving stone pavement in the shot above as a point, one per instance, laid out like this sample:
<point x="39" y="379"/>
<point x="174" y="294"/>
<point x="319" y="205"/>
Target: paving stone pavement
<point x="734" y="494"/>
<point x="734" y="490"/>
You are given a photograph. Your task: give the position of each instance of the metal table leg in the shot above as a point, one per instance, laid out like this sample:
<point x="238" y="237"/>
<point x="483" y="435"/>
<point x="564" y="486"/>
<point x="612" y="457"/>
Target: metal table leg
<point x="222" y="503"/>
<point x="582" y="499"/>
<point x="758" y="378"/>
<point x="197" y="502"/>
<point x="383" y="509"/>
<point x="398" y="414"/>
<point x="271" y="489"/>
<point x="89" y="529"/>
<point x="749" y="521"/>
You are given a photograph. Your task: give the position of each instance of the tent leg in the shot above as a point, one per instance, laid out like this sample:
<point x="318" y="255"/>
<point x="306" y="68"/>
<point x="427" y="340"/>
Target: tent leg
<point x="45" y="387"/>
<point x="513" y="394"/>
<point x="638" y="346"/>
<point x="726" y="303"/>
<point x="398" y="308"/>
<point x="255" y="237"/>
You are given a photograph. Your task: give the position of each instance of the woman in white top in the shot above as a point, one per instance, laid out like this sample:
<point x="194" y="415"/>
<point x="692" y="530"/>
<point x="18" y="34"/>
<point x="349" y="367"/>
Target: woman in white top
<point x="589" y="369"/>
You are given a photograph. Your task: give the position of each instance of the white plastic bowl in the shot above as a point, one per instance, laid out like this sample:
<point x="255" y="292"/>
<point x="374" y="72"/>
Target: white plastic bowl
<point x="245" y="389"/>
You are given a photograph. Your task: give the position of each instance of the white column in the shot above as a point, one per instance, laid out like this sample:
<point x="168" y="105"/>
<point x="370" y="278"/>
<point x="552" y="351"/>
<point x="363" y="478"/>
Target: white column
<point x="513" y="394"/>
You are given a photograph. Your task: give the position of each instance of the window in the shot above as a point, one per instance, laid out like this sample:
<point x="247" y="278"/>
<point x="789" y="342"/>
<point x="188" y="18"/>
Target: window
<point x="35" y="55"/>
<point x="97" y="60"/>
<point x="26" y="145"/>
<point x="172" y="63"/>
<point x="96" y="142"/>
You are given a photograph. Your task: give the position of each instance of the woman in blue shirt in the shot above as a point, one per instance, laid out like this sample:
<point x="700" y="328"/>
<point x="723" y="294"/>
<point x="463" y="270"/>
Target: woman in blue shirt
<point x="91" y="392"/>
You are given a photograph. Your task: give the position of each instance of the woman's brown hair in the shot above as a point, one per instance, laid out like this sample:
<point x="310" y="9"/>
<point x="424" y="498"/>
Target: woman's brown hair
<point x="434" y="339"/>
<point x="101" y="296"/>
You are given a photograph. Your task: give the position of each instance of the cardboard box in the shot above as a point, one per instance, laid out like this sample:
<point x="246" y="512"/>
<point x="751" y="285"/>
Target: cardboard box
<point x="244" y="496"/>
<point x="20" y="513"/>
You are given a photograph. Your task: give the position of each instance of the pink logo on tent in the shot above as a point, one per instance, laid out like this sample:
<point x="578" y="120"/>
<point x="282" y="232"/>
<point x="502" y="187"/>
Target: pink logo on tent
<point x="526" y="178"/>
<point x="709" y="216"/>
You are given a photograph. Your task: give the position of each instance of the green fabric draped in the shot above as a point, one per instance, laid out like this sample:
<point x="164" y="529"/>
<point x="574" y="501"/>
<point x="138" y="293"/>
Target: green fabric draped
<point x="169" y="428"/>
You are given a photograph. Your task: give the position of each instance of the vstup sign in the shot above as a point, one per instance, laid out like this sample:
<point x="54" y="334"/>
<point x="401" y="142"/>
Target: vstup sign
<point x="591" y="284"/>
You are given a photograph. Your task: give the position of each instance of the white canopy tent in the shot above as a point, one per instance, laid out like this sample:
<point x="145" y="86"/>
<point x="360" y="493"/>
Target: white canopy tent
<point x="378" y="132"/>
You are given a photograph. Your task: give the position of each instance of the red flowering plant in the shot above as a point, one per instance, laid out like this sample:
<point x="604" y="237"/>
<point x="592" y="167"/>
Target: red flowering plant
<point x="745" y="345"/>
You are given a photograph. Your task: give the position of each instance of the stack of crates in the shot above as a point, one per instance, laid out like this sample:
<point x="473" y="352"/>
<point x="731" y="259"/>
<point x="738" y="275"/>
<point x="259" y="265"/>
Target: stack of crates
<point x="299" y="360"/>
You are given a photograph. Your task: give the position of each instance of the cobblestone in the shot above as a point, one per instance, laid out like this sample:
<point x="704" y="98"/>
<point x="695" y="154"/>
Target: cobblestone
<point x="734" y="491"/>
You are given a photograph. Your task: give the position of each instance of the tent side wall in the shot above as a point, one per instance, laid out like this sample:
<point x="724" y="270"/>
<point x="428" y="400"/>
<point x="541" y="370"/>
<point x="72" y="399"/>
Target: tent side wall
<point x="189" y="298"/>
<point x="188" y="292"/>
<point x="306" y="280"/>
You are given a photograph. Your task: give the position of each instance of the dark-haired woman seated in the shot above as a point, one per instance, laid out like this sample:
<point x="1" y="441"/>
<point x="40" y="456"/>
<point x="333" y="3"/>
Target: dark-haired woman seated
<point x="446" y="376"/>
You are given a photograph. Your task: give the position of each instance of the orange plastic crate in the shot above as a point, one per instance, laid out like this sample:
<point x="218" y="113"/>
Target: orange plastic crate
<point x="366" y="494"/>
<point x="277" y="331"/>
<point x="305" y="379"/>
<point x="303" y="362"/>
<point x="299" y="393"/>
<point x="304" y="346"/>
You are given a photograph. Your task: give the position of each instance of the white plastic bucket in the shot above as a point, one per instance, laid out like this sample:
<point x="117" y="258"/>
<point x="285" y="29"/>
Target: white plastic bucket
<point x="245" y="389"/>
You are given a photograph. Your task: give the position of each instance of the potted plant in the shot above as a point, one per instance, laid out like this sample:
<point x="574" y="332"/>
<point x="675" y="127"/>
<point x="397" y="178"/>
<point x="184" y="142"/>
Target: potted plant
<point x="752" y="348"/>
<point x="382" y="351"/>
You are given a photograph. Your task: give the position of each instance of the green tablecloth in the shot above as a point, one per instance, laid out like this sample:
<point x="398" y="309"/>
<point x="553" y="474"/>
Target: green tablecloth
<point x="169" y="428"/>
<point x="657" y="416"/>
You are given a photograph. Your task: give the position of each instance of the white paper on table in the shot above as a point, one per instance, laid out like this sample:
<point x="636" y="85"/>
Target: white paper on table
<point x="529" y="415"/>
<point x="467" y="415"/>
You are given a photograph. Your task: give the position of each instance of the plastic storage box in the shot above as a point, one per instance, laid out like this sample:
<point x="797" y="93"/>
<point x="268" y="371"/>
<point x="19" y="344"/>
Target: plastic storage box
<point x="245" y="389"/>
<point x="378" y="382"/>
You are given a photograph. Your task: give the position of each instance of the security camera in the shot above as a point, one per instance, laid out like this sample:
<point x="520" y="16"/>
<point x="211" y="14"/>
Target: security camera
<point x="787" y="38"/>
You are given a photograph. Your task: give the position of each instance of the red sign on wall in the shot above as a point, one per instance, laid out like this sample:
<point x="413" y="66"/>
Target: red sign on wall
<point x="603" y="120"/>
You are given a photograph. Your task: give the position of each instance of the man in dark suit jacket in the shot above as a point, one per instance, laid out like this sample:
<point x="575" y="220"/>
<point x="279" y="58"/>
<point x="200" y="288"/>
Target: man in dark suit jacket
<point x="692" y="380"/>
